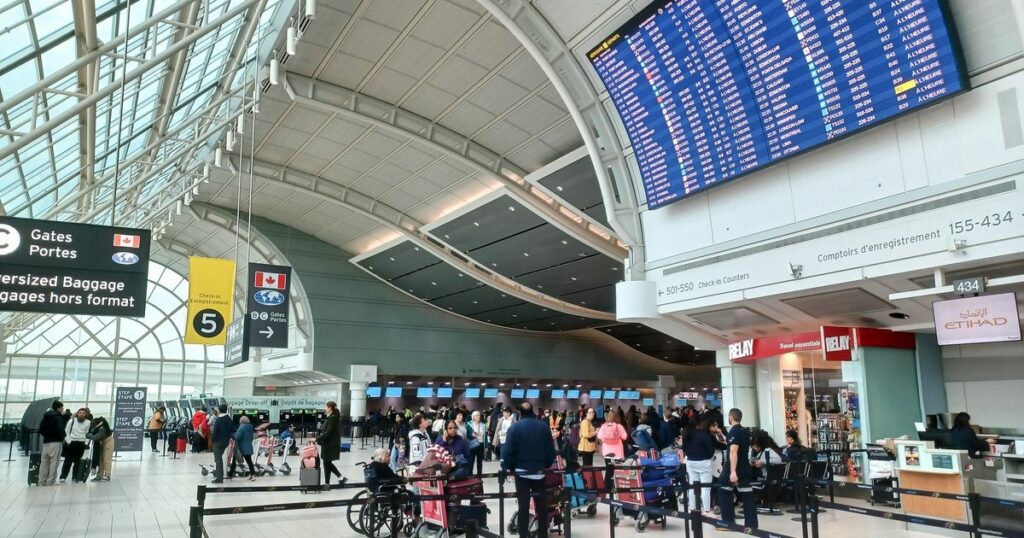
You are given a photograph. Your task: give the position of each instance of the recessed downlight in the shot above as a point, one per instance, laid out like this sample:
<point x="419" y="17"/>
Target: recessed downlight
<point x="898" y="315"/>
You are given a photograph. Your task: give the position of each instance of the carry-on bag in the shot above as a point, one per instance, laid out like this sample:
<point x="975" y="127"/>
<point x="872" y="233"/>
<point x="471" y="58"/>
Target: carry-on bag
<point x="80" y="470"/>
<point x="34" y="460"/>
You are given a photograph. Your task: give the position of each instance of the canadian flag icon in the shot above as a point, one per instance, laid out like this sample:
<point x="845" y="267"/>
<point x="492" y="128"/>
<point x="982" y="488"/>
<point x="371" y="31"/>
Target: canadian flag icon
<point x="128" y="241"/>
<point x="270" y="280"/>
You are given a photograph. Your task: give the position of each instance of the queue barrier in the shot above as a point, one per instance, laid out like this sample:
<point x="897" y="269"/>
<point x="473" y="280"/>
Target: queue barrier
<point x="808" y="503"/>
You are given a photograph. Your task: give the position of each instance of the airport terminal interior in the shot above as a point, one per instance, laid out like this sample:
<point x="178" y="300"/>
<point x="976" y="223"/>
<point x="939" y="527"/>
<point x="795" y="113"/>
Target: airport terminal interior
<point x="442" y="268"/>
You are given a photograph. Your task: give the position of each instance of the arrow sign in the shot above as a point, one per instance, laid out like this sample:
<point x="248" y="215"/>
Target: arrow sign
<point x="269" y="291"/>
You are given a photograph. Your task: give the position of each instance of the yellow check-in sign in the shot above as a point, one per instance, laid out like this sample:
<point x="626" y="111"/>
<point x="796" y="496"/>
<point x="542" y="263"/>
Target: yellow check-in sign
<point x="211" y="285"/>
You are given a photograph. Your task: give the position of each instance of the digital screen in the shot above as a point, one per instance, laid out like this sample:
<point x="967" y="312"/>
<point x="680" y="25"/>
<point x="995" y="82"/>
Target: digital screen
<point x="373" y="392"/>
<point x="709" y="91"/>
<point x="517" y="393"/>
<point x="974" y="320"/>
<point x="573" y="394"/>
<point x="629" y="395"/>
<point x="595" y="394"/>
<point x="557" y="394"/>
<point x="490" y="393"/>
<point x="444" y="392"/>
<point x="942" y="461"/>
<point x="393" y="392"/>
<point x="425" y="392"/>
<point x="609" y="395"/>
<point x="648" y="402"/>
<point x="533" y="393"/>
<point x="472" y="393"/>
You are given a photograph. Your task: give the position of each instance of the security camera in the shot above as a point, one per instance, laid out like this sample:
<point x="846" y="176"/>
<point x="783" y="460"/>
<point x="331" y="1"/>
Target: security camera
<point x="797" y="270"/>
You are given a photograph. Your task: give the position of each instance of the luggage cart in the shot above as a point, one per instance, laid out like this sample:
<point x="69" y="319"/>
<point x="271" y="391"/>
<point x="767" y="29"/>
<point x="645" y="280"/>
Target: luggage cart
<point x="631" y="476"/>
<point x="880" y="472"/>
<point x="441" y="518"/>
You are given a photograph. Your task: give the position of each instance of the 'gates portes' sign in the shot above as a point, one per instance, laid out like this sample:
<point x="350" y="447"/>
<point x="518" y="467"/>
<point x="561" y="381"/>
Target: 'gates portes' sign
<point x="66" y="268"/>
<point x="269" y="287"/>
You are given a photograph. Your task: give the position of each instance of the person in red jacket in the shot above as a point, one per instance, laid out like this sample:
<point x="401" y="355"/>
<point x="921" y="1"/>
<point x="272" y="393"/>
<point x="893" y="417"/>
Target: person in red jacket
<point x="201" y="427"/>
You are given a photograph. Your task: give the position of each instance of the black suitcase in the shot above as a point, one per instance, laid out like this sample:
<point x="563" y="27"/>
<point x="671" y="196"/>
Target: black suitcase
<point x="172" y="441"/>
<point x="80" y="470"/>
<point x="33" y="468"/>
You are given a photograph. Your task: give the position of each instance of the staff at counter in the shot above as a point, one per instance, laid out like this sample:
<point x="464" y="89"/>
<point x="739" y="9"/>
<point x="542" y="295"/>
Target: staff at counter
<point x="962" y="437"/>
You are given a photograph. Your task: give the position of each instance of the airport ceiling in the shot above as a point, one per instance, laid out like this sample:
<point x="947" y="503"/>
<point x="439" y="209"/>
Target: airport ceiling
<point x="492" y="211"/>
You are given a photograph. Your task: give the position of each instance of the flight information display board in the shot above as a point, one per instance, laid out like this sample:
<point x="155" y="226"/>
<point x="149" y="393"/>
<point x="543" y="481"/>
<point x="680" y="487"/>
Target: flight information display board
<point x="710" y="90"/>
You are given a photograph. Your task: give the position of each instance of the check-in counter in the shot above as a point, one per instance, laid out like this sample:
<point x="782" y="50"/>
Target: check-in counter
<point x="919" y="465"/>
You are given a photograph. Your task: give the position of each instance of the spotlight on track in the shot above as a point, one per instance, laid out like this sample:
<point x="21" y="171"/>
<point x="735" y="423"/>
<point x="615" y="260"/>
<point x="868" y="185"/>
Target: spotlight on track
<point x="310" y="9"/>
<point x="293" y="38"/>
<point x="275" y="69"/>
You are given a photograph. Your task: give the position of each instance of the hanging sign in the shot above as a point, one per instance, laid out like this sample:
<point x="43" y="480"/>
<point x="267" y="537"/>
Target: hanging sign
<point x="129" y="416"/>
<point x="269" y="287"/>
<point x="211" y="284"/>
<point x="837" y="343"/>
<point x="67" y="268"/>
<point x="236" y="347"/>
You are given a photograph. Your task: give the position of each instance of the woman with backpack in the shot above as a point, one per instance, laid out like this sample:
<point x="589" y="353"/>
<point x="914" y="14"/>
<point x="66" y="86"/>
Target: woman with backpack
<point x="102" y="436"/>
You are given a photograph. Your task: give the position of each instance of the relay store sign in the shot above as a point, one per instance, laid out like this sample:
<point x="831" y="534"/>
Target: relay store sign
<point x="835" y="343"/>
<point x="66" y="268"/>
<point x="269" y="287"/>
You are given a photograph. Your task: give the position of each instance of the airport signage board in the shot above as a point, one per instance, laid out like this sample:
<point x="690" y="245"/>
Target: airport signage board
<point x="68" y="268"/>
<point x="269" y="293"/>
<point x="236" y="345"/>
<point x="211" y="288"/>
<point x="129" y="418"/>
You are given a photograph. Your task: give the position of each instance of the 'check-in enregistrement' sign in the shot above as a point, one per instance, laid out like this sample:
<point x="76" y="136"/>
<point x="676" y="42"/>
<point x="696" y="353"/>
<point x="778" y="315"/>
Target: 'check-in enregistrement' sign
<point x="67" y="268"/>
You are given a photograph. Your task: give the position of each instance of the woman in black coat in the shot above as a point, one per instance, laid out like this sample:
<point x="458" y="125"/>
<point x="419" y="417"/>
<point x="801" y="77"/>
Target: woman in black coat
<point x="330" y="442"/>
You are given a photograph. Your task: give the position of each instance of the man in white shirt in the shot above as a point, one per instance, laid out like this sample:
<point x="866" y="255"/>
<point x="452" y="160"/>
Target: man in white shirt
<point x="75" y="440"/>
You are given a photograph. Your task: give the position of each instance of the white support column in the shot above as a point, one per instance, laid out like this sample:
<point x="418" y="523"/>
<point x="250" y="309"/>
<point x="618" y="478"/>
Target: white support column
<point x="357" y="402"/>
<point x="739" y="387"/>
<point x="663" y="391"/>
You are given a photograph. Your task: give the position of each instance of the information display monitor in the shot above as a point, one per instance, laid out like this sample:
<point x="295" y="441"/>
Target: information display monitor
<point x="373" y="392"/>
<point x="609" y="395"/>
<point x="517" y="394"/>
<point x="490" y="393"/>
<point x="444" y="392"/>
<point x="393" y="392"/>
<point x="473" y="392"/>
<point x="648" y="402"/>
<point x="533" y="393"/>
<point x="595" y="394"/>
<point x="711" y="90"/>
<point x="573" y="394"/>
<point x="558" y="394"/>
<point x="425" y="392"/>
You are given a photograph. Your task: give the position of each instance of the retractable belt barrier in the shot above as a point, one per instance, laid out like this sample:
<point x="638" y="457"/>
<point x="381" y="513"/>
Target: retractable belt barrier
<point x="809" y="507"/>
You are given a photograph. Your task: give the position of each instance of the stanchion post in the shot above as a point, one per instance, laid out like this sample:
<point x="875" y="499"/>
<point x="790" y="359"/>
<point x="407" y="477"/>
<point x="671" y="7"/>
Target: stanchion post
<point x="567" y="511"/>
<point x="696" y="523"/>
<point x="609" y="482"/>
<point x="801" y="489"/>
<point x="10" y="451"/>
<point x="201" y="495"/>
<point x="974" y="503"/>
<point x="394" y="504"/>
<point x="501" y="506"/>
<point x="685" y="507"/>
<point x="195" y="522"/>
<point x="813" y="500"/>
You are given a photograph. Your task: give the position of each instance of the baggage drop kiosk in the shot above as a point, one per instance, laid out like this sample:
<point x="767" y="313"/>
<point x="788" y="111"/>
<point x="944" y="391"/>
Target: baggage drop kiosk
<point x="822" y="385"/>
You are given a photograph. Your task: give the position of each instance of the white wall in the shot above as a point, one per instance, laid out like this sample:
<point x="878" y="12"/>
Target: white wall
<point x="987" y="381"/>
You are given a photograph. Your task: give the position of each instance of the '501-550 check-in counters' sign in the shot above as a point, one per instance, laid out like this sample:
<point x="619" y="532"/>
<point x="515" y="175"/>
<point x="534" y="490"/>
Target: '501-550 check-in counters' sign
<point x="65" y="268"/>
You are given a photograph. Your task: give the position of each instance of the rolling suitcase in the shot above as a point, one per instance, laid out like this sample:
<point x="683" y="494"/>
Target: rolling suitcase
<point x="309" y="477"/>
<point x="80" y="470"/>
<point x="34" y="460"/>
<point x="172" y="441"/>
<point x="346" y="447"/>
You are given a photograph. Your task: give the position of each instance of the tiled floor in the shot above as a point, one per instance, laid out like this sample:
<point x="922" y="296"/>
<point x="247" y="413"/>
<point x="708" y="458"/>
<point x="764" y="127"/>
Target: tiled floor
<point x="151" y="497"/>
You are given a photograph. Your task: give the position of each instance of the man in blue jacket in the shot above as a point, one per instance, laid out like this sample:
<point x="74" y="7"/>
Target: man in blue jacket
<point x="220" y="435"/>
<point x="527" y="452"/>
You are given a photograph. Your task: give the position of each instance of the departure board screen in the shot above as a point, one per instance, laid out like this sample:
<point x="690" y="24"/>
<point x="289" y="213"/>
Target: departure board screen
<point x="710" y="90"/>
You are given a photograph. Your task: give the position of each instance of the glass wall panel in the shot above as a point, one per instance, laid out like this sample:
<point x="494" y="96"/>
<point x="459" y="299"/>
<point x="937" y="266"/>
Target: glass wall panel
<point x="76" y="379"/>
<point x="170" y="381"/>
<point x="149" y="376"/>
<point x="126" y="373"/>
<point x="50" y="379"/>
<point x="101" y="380"/>
<point x="193" y="383"/>
<point x="22" y="384"/>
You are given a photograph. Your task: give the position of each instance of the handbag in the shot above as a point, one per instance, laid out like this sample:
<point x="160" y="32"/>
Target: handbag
<point x="474" y="444"/>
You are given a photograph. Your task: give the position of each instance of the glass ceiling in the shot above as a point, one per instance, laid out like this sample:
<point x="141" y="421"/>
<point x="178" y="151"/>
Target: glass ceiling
<point x="158" y="126"/>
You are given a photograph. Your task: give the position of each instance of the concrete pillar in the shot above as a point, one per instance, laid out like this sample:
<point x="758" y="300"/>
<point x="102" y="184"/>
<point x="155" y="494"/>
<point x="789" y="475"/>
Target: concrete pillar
<point x="357" y="403"/>
<point x="663" y="391"/>
<point x="739" y="387"/>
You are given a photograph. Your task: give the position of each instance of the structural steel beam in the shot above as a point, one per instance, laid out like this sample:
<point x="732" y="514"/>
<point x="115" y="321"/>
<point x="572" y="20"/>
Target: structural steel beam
<point x="363" y="108"/>
<point x="570" y="81"/>
<point x="409" y="227"/>
<point x="84" y="13"/>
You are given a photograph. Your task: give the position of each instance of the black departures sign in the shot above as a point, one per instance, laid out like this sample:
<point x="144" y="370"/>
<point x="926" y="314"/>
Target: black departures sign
<point x="66" y="268"/>
<point x="236" y="345"/>
<point x="267" y="309"/>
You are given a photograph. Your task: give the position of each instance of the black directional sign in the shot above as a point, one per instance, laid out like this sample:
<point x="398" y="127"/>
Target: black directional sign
<point x="236" y="346"/>
<point x="269" y="286"/>
<point x="129" y="416"/>
<point x="66" y="268"/>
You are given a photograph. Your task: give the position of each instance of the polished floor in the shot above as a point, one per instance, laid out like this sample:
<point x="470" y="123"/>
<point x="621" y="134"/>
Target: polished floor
<point x="151" y="497"/>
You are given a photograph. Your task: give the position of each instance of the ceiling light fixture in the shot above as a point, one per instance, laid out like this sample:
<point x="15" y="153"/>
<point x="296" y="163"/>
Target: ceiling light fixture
<point x="292" y="39"/>
<point x="408" y="382"/>
<point x="218" y="157"/>
<point x="310" y="9"/>
<point x="430" y="382"/>
<point x="240" y="123"/>
<point x="229" y="141"/>
<point x="275" y="69"/>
